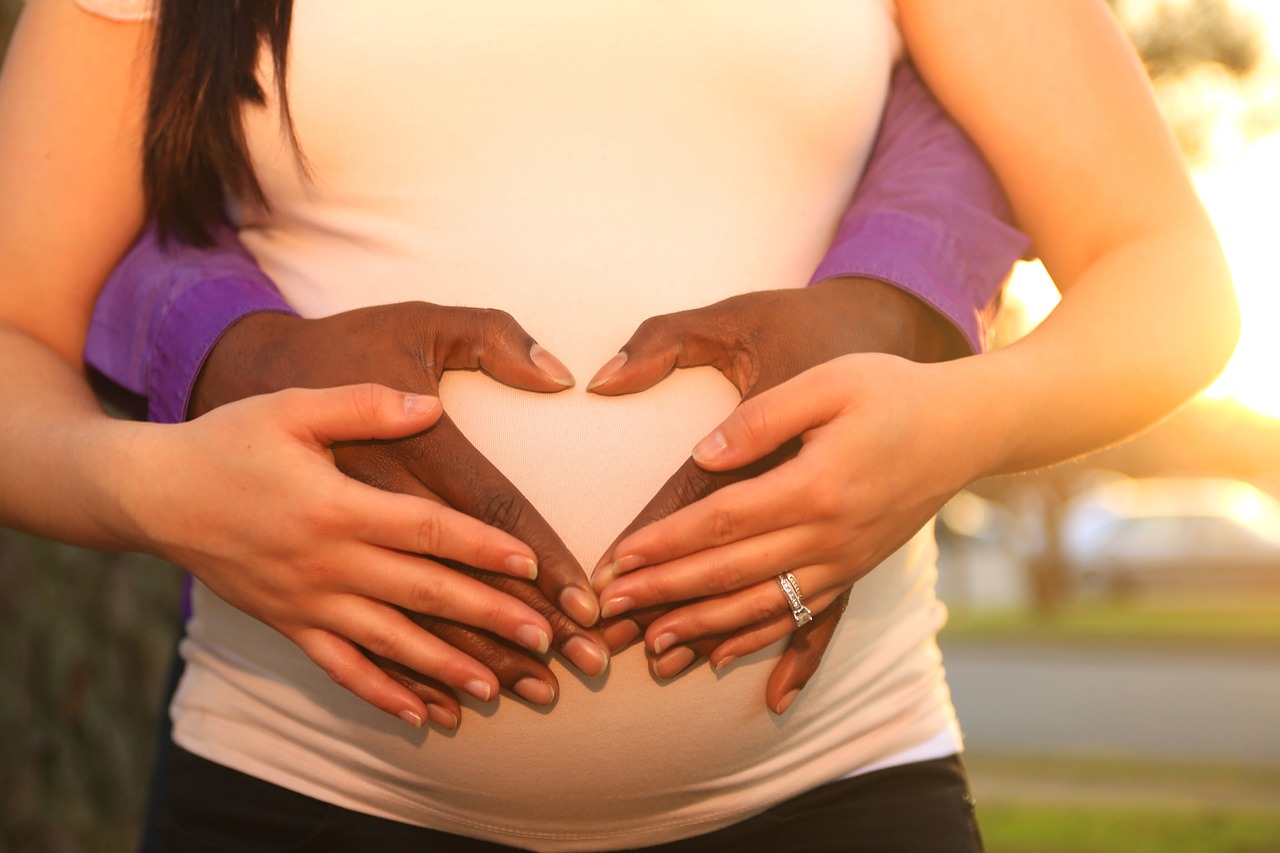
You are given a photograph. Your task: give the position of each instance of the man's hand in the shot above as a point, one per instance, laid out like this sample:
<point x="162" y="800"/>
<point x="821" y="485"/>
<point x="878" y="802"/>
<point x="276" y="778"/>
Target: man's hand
<point x="408" y="346"/>
<point x="758" y="340"/>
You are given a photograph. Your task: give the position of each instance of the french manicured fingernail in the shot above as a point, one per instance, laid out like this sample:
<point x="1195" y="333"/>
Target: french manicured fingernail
<point x="535" y="691"/>
<point x="533" y="638"/>
<point x="610" y="370"/>
<point x="671" y="665"/>
<point x="478" y="689"/>
<point x="442" y="717"/>
<point x="420" y="404"/>
<point x="586" y="655"/>
<point x="710" y="447"/>
<point x="551" y="366"/>
<point x="521" y="566"/>
<point x="664" y="642"/>
<point x="617" y="606"/>
<point x="413" y="719"/>
<point x="725" y="663"/>
<point x="581" y="606"/>
<point x="786" y="702"/>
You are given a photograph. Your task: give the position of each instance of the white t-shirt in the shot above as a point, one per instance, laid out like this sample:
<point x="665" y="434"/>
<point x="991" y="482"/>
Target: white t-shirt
<point x="583" y="165"/>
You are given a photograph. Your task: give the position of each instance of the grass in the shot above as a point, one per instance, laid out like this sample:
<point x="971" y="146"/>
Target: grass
<point x="1231" y="624"/>
<point x="1049" y="828"/>
<point x="1100" y="804"/>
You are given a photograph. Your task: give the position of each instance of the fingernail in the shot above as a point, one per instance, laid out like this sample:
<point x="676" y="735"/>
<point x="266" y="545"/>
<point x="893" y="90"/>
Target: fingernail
<point x="725" y="663"/>
<point x="671" y="665"/>
<point x="420" y="404"/>
<point x="534" y="638"/>
<point x="786" y="702"/>
<point x="412" y="718"/>
<point x="442" y="717"/>
<point x="617" y="606"/>
<point x="664" y="642"/>
<point x="624" y="632"/>
<point x="478" y="689"/>
<point x="535" y="691"/>
<point x="586" y="655"/>
<point x="581" y="606"/>
<point x="522" y="566"/>
<point x="629" y="563"/>
<point x="710" y="447"/>
<point x="551" y="366"/>
<point x="610" y="370"/>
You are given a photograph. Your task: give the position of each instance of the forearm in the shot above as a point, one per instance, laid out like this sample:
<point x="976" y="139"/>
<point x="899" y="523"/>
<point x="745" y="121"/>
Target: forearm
<point x="65" y="462"/>
<point x="1116" y="355"/>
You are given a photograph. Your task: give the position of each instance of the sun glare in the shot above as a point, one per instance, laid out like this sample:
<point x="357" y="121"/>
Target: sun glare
<point x="1240" y="186"/>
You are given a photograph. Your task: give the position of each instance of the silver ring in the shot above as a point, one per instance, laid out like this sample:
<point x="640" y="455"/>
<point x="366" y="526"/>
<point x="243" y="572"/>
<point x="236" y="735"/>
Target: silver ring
<point x="791" y="589"/>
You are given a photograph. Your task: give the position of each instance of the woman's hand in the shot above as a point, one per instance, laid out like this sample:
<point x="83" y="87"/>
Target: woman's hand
<point x="408" y="345"/>
<point x="759" y="341"/>
<point x="248" y="499"/>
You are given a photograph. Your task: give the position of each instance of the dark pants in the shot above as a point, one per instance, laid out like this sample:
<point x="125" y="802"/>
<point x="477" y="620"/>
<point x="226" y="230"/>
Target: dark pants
<point x="923" y="807"/>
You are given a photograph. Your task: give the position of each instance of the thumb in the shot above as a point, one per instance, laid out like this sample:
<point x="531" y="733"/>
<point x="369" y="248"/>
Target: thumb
<point x="356" y="412"/>
<point x="662" y="344"/>
<point x="762" y="424"/>
<point x="493" y="341"/>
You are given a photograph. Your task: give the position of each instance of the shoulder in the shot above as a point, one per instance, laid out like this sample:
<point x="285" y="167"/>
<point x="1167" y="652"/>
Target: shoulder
<point x="120" y="10"/>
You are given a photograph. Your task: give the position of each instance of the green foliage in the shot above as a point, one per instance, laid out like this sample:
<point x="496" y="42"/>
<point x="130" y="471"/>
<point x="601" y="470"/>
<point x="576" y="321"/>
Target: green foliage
<point x="85" y="641"/>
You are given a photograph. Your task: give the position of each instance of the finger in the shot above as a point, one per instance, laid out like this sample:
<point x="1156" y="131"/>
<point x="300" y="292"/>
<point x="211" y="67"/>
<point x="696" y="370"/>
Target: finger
<point x="516" y="671"/>
<point x="586" y="649"/>
<point x="492" y="340"/>
<point x="715" y="569"/>
<point x="675" y="661"/>
<point x="442" y="704"/>
<point x="688" y="485"/>
<point x="387" y="633"/>
<point x="422" y="526"/>
<point x="424" y="586"/>
<point x="725" y="614"/>
<point x="449" y="465"/>
<point x="684" y="339"/>
<point x="349" y="412"/>
<point x="802" y="656"/>
<point x="764" y="423"/>
<point x="771" y="500"/>
<point x="354" y="672"/>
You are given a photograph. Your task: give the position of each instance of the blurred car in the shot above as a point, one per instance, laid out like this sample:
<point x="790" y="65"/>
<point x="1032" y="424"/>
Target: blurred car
<point x="1205" y="535"/>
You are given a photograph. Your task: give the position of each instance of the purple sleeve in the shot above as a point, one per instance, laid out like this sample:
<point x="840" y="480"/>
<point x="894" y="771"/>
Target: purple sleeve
<point x="163" y="309"/>
<point x="928" y="216"/>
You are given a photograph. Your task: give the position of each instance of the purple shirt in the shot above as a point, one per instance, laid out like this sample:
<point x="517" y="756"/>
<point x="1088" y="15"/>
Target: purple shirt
<point x="928" y="217"/>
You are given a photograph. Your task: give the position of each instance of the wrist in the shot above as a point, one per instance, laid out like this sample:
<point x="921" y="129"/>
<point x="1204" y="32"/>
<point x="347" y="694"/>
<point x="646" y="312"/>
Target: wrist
<point x="899" y="323"/>
<point x="243" y="362"/>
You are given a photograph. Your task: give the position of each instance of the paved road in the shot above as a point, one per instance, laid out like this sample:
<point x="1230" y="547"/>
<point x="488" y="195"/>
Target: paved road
<point x="1182" y="704"/>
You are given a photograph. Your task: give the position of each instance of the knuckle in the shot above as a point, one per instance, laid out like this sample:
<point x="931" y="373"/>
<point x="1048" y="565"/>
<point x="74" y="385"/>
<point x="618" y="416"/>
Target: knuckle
<point x="694" y="486"/>
<point x="384" y="642"/>
<point x="429" y="533"/>
<point x="723" y="525"/>
<point x="428" y="594"/>
<point x="503" y="511"/>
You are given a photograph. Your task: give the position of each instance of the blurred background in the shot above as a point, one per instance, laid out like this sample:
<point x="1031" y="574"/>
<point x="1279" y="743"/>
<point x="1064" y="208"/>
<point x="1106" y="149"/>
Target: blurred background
<point x="1114" y="643"/>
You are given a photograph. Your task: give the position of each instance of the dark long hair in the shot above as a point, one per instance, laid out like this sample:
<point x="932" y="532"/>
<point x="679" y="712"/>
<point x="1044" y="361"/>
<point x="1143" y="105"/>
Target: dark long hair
<point x="206" y="62"/>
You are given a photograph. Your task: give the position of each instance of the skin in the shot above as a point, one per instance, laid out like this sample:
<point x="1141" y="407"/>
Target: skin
<point x="1147" y="318"/>
<point x="1049" y="91"/>
<point x="758" y="340"/>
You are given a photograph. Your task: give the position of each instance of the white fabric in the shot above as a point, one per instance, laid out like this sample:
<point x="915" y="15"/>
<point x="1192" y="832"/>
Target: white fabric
<point x="119" y="10"/>
<point x="583" y="165"/>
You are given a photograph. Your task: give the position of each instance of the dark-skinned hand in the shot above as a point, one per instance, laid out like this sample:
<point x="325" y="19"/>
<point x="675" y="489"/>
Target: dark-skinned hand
<point x="759" y="341"/>
<point x="407" y="346"/>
